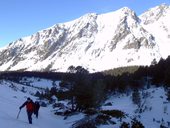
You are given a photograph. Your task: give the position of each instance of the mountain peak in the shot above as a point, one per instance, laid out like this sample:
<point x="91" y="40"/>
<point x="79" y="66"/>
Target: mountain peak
<point x="163" y="6"/>
<point x="126" y="10"/>
<point x="155" y="13"/>
<point x="161" y="9"/>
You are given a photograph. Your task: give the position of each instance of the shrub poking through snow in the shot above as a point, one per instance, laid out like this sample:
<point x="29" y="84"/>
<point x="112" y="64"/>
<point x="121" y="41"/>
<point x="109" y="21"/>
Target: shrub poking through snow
<point x="114" y="113"/>
<point x="137" y="124"/>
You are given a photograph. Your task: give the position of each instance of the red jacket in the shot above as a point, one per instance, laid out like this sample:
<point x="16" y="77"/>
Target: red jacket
<point x="29" y="106"/>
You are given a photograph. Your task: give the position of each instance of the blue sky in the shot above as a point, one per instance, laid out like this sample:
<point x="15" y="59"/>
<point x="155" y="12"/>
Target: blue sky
<point x="20" y="18"/>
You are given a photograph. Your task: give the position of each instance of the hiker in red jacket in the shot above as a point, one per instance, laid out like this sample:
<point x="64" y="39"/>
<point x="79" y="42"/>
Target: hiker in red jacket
<point x="29" y="107"/>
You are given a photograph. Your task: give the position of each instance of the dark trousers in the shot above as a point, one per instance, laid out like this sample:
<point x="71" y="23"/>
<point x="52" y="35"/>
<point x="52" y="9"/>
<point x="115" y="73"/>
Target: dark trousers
<point x="29" y="114"/>
<point x="36" y="113"/>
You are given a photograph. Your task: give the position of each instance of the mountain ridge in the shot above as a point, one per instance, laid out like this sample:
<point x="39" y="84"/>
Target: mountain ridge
<point x="96" y="42"/>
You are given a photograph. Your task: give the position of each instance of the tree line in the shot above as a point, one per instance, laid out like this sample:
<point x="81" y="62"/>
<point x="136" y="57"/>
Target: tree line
<point x="88" y="90"/>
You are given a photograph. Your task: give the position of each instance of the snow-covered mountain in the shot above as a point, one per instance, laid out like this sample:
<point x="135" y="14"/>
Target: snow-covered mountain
<point x="156" y="21"/>
<point x="95" y="42"/>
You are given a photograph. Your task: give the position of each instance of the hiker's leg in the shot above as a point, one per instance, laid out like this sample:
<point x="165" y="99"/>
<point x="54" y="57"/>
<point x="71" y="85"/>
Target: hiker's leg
<point x="37" y="114"/>
<point x="29" y="117"/>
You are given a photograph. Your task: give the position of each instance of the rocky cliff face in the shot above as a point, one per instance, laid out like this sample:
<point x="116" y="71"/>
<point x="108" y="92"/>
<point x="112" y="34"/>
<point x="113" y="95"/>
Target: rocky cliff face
<point x="96" y="42"/>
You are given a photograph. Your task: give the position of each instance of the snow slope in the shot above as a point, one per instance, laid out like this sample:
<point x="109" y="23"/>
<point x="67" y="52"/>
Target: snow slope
<point x="155" y="108"/>
<point x="11" y="99"/>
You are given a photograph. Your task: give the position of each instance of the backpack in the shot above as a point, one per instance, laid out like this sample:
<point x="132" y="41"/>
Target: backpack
<point x="30" y="106"/>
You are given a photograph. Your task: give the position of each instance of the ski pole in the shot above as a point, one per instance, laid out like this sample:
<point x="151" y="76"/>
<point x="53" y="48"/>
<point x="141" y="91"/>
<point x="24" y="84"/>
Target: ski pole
<point x="18" y="113"/>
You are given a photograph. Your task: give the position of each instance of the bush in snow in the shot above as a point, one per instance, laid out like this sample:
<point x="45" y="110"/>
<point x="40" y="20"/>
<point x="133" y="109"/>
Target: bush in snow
<point x="114" y="113"/>
<point x="23" y="89"/>
<point x="136" y="97"/>
<point x="102" y="119"/>
<point x="91" y="111"/>
<point x="125" y="125"/>
<point x="168" y="95"/>
<point x="162" y="126"/>
<point x="136" y="124"/>
<point x="43" y="104"/>
<point x="37" y="94"/>
<point x="85" y="123"/>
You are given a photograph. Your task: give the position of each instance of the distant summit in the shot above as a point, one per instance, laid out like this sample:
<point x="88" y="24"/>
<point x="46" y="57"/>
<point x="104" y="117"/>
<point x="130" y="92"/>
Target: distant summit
<point x="154" y="14"/>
